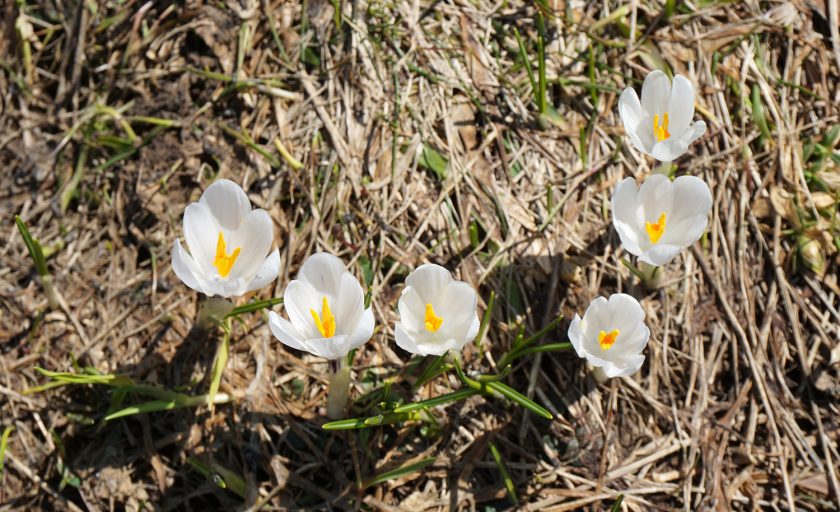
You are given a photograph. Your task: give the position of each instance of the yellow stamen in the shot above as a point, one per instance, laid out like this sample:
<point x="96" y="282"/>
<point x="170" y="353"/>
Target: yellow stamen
<point x="606" y="339"/>
<point x="326" y="322"/>
<point x="661" y="132"/>
<point x="432" y="320"/>
<point x="224" y="261"/>
<point x="656" y="229"/>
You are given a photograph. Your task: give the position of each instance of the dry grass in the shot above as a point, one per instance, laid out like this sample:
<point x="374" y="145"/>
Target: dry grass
<point x="736" y="407"/>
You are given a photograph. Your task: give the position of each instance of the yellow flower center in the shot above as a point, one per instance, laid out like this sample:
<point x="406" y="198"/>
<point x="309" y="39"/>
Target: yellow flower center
<point x="224" y="261"/>
<point x="661" y="131"/>
<point x="326" y="321"/>
<point x="656" y="229"/>
<point x="432" y="320"/>
<point x="607" y="339"/>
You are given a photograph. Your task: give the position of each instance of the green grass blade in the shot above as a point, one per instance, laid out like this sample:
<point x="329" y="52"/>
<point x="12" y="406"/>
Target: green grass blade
<point x="396" y="473"/>
<point x="439" y="400"/>
<point x="511" y="489"/>
<point x="519" y="398"/>
<point x="433" y="161"/>
<point x="33" y="246"/>
<point x="524" y="55"/>
<point x="4" y="441"/>
<point x="617" y="505"/>
<point x="153" y="406"/>
<point x="255" y="306"/>
<point x="485" y="321"/>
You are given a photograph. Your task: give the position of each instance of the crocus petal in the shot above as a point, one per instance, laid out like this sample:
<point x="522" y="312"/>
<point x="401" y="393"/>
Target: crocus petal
<point x="364" y="329"/>
<point x="429" y="280"/>
<point x="625" y="312"/>
<point x="228" y="202"/>
<point x="201" y="231"/>
<point x="329" y="348"/>
<point x="472" y="332"/>
<point x="323" y="271"/>
<point x="656" y="91"/>
<point x="660" y="254"/>
<point x="459" y="302"/>
<point x="655" y="198"/>
<point x="404" y="340"/>
<point x="411" y="308"/>
<point x="694" y="132"/>
<point x="693" y="197"/>
<point x="680" y="106"/>
<point x="284" y="331"/>
<point x="576" y="336"/>
<point x="298" y="299"/>
<point x="669" y="150"/>
<point x="349" y="303"/>
<point x="267" y="272"/>
<point x="185" y="268"/>
<point x="630" y="110"/>
<point x="596" y="317"/>
<point x="625" y="218"/>
<point x="253" y="238"/>
<point x="623" y="368"/>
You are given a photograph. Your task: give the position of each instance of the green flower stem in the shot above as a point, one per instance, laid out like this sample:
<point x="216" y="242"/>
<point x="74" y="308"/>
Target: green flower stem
<point x="339" y="388"/>
<point x="219" y="363"/>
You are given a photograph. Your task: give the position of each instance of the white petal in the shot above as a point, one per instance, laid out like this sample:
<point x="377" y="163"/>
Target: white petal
<point x="458" y="304"/>
<point x="628" y="236"/>
<point x="633" y="343"/>
<point x="623" y="368"/>
<point x="267" y="273"/>
<point x="694" y="132"/>
<point x="630" y="109"/>
<point x="656" y="91"/>
<point x="595" y="319"/>
<point x="329" y="348"/>
<point x="185" y="268"/>
<point x="284" y="331"/>
<point x="349" y="304"/>
<point x="680" y="106"/>
<point x="253" y="238"/>
<point x="576" y="336"/>
<point x="472" y="332"/>
<point x="660" y="254"/>
<point x="686" y="232"/>
<point x="655" y="198"/>
<point x="439" y="348"/>
<point x="429" y="280"/>
<point x="405" y="340"/>
<point x="201" y="231"/>
<point x="625" y="218"/>
<point x="669" y="150"/>
<point x="412" y="310"/>
<point x="323" y="271"/>
<point x="225" y="287"/>
<point x="692" y="197"/>
<point x="228" y="202"/>
<point x="364" y="329"/>
<point x="625" y="312"/>
<point x="298" y="300"/>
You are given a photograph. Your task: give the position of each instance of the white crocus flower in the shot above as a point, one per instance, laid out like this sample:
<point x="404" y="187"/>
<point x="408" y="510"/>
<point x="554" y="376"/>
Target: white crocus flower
<point x="229" y="244"/>
<point x="611" y="335"/>
<point x="660" y="124"/>
<point x="663" y="217"/>
<point x="437" y="313"/>
<point x="326" y="307"/>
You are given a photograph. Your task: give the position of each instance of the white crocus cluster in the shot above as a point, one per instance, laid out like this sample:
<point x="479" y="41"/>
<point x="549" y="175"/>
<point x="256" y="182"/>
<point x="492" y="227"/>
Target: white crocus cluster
<point x="660" y="125"/>
<point x="230" y="244"/>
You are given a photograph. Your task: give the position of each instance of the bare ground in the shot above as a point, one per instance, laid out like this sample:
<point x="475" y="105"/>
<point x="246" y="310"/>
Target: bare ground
<point x="736" y="407"/>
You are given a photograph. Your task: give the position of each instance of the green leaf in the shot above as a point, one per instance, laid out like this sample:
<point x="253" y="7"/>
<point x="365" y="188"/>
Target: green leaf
<point x="372" y="421"/>
<point x="255" y="306"/>
<point x="511" y="489"/>
<point x="33" y="246"/>
<point x="434" y="402"/>
<point x="485" y="321"/>
<point x="219" y="364"/>
<point x="517" y="397"/>
<point x="759" y="116"/>
<point x="396" y="473"/>
<point x="617" y="505"/>
<point x="4" y="441"/>
<point x="432" y="160"/>
<point x="153" y="406"/>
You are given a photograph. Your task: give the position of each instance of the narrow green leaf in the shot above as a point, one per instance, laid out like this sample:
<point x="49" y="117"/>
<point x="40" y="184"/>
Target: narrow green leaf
<point x="485" y="321"/>
<point x="348" y="424"/>
<point x="4" y="441"/>
<point x="511" y="489"/>
<point x="519" y="398"/>
<point x="33" y="246"/>
<point x="255" y="306"/>
<point x="432" y="160"/>
<point x="617" y="505"/>
<point x="396" y="473"/>
<point x="153" y="406"/>
<point x="439" y="400"/>
<point x="523" y="54"/>
<point x="759" y="116"/>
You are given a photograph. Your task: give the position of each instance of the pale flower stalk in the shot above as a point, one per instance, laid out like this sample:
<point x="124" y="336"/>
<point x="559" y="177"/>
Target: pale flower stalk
<point x="611" y="335"/>
<point x="437" y="313"/>
<point x="662" y="217"/>
<point x="229" y="244"/>
<point x="660" y="124"/>
<point x="327" y="318"/>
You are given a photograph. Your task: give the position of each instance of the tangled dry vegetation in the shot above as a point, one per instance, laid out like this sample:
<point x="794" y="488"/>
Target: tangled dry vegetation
<point x="394" y="133"/>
